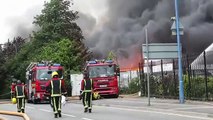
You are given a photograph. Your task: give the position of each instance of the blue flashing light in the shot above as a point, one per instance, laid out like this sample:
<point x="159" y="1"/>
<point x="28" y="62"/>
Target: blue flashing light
<point x="56" y="65"/>
<point x="109" y="61"/>
<point x="92" y="62"/>
<point x="40" y="65"/>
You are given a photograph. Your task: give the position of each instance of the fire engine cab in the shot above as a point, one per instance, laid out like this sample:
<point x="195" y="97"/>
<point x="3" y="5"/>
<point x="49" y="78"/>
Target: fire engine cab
<point x="37" y="75"/>
<point x="105" y="75"/>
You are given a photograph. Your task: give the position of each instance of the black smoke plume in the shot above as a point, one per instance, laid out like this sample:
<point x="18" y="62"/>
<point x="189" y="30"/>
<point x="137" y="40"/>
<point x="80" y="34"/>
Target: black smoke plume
<point x="126" y="20"/>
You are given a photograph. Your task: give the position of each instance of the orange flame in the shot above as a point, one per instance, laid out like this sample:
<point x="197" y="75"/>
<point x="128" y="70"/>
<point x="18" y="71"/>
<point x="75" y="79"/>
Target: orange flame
<point x="132" y="62"/>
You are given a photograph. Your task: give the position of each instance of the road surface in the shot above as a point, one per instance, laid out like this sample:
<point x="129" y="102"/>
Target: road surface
<point x="122" y="109"/>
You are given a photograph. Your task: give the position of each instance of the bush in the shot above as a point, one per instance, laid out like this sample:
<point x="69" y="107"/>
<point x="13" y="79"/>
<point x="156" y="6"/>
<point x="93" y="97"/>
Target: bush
<point x="197" y="89"/>
<point x="134" y="87"/>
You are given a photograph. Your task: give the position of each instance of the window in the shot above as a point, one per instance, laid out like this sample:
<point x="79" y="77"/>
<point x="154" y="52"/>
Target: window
<point x="101" y="71"/>
<point x="45" y="74"/>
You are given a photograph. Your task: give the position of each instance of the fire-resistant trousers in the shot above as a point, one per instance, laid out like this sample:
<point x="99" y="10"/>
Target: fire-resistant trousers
<point x="56" y="103"/>
<point x="87" y="100"/>
<point x="20" y="104"/>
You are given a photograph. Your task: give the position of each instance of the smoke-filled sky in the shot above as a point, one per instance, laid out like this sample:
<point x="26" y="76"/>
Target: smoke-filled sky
<point x="125" y="20"/>
<point x="122" y="26"/>
<point x="119" y="25"/>
<point x="17" y="15"/>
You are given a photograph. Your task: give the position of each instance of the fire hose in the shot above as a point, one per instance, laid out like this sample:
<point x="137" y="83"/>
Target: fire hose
<point x="2" y="119"/>
<point x="12" y="113"/>
<point x="15" y="114"/>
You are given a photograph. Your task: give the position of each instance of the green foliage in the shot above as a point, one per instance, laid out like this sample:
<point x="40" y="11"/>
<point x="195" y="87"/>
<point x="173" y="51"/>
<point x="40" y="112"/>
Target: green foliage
<point x="134" y="87"/>
<point x="196" y="89"/>
<point x="57" y="21"/>
<point x="58" y="39"/>
<point x="11" y="49"/>
<point x="62" y="52"/>
<point x="124" y="90"/>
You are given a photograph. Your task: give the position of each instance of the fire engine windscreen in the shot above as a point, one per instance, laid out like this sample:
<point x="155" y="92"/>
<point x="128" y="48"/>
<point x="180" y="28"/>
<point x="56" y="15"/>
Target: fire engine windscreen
<point x="101" y="71"/>
<point x="45" y="74"/>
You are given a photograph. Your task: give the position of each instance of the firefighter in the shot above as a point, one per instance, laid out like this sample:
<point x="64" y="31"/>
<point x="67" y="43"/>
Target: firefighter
<point x="86" y="92"/>
<point x="13" y="85"/>
<point x="56" y="87"/>
<point x="20" y="93"/>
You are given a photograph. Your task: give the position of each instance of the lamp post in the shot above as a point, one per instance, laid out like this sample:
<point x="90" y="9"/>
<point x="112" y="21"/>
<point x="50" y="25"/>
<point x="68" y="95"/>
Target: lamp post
<point x="176" y="27"/>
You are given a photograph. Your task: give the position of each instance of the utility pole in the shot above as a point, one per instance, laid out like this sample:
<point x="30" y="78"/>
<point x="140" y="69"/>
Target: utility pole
<point x="181" y="91"/>
<point x="147" y="62"/>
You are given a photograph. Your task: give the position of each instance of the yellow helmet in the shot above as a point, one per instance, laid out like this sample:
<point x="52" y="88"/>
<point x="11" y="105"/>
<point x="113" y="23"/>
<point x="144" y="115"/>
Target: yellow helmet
<point x="14" y="100"/>
<point x="54" y="74"/>
<point x="96" y="95"/>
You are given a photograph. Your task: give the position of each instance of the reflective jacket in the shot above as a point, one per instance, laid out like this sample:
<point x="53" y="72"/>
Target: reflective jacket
<point x="20" y="91"/>
<point x="87" y="85"/>
<point x="55" y="87"/>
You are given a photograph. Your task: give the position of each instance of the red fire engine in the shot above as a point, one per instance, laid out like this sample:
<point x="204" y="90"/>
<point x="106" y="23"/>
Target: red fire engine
<point x="38" y="74"/>
<point x="105" y="77"/>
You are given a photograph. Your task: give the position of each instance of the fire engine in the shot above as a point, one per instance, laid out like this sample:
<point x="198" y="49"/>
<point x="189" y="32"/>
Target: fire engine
<point x="105" y="75"/>
<point x="37" y="75"/>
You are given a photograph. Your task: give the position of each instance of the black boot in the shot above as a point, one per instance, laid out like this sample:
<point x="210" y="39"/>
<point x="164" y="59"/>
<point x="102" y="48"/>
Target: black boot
<point x="59" y="114"/>
<point x="85" y="110"/>
<point x="22" y="110"/>
<point x="56" y="115"/>
<point x="90" y="110"/>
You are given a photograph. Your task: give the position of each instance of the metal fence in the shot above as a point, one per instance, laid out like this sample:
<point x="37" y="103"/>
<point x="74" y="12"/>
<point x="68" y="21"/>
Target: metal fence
<point x="197" y="77"/>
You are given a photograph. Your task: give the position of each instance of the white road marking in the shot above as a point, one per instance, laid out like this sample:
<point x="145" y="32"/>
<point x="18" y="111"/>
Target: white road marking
<point x="152" y="102"/>
<point x="86" y="119"/>
<point x="158" y="109"/>
<point x="45" y="110"/>
<point x="68" y="115"/>
<point x="61" y="113"/>
<point x="30" y="107"/>
<point x="195" y="107"/>
<point x="165" y="113"/>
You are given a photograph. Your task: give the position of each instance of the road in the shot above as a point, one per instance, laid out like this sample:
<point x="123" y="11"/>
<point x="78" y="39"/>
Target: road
<point x="122" y="109"/>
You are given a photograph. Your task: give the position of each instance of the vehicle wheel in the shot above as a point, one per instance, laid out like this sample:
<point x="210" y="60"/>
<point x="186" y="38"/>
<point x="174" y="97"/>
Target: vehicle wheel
<point x="116" y="96"/>
<point x="34" y="100"/>
<point x="28" y="101"/>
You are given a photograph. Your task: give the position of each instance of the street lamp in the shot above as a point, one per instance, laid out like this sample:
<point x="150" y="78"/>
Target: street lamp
<point x="179" y="31"/>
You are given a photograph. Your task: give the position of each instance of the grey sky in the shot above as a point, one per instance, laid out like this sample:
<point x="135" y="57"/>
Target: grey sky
<point x="17" y="15"/>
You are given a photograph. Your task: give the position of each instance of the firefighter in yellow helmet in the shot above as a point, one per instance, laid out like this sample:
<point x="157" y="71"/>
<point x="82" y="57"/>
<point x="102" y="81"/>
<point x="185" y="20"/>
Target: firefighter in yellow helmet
<point x="20" y="93"/>
<point x="56" y="87"/>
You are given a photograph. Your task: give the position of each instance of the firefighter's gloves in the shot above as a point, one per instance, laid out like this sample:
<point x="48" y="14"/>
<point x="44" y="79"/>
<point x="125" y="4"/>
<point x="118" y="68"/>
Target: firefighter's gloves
<point x="80" y="96"/>
<point x="64" y="93"/>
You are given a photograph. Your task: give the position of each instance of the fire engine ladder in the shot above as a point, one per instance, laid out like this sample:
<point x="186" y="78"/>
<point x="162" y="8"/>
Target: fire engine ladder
<point x="31" y="65"/>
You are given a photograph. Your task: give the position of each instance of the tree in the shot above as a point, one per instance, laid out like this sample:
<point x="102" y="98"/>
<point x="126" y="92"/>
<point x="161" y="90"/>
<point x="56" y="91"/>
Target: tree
<point x="11" y="48"/>
<point x="7" y="54"/>
<point x="57" y="22"/>
<point x="58" y="39"/>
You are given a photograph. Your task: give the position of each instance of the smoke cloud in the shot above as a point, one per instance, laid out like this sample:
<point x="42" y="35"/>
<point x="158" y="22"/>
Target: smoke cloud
<point x="125" y="21"/>
<point x="21" y="25"/>
<point x="121" y="26"/>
